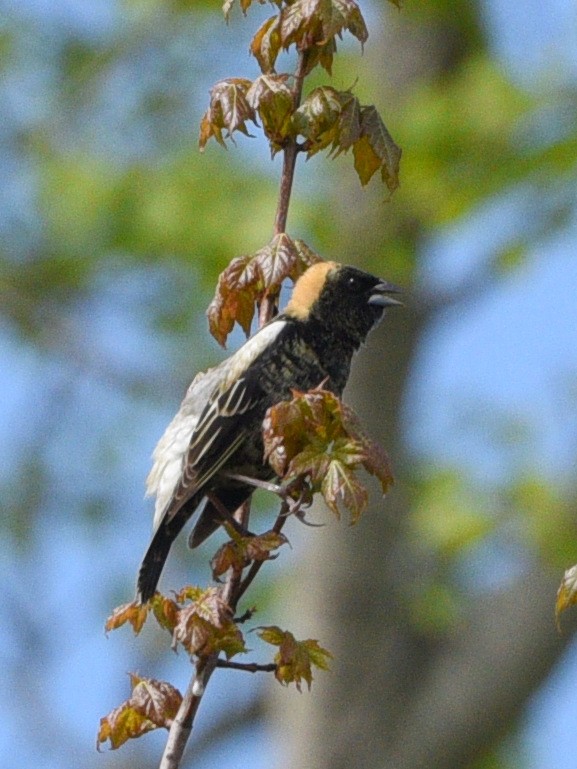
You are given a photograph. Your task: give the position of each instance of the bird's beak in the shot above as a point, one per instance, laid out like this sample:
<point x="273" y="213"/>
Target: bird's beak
<point x="380" y="295"/>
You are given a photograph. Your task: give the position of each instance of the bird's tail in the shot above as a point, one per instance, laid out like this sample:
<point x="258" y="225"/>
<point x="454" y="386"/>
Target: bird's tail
<point x="156" y="555"/>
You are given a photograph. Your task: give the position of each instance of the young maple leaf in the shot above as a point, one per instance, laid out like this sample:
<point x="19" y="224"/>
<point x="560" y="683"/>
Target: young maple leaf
<point x="271" y="97"/>
<point x="228" y="111"/>
<point x="376" y="149"/>
<point x="309" y="22"/>
<point x="249" y="279"/>
<point x="240" y="551"/>
<point x="315" y="436"/>
<point x="266" y="44"/>
<point x="205" y="626"/>
<point x="152" y="705"/>
<point x="134" y="613"/>
<point x="294" y="659"/>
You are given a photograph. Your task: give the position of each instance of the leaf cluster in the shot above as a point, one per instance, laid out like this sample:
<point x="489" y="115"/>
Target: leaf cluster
<point x="198" y="619"/>
<point x="249" y="279"/>
<point x="333" y="119"/>
<point x="315" y="437"/>
<point x="327" y="118"/>
<point x="201" y="621"/>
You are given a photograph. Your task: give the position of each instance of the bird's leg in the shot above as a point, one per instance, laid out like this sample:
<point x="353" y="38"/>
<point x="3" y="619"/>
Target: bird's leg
<point x="295" y="494"/>
<point x="227" y="516"/>
<point x="257" y="483"/>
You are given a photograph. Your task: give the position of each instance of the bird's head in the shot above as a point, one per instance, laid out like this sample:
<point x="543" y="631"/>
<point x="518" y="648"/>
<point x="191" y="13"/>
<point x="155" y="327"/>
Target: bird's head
<point x="341" y="296"/>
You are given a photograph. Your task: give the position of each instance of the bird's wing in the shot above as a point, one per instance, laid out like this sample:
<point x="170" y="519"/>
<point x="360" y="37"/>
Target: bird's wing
<point x="211" y="433"/>
<point x="220" y="431"/>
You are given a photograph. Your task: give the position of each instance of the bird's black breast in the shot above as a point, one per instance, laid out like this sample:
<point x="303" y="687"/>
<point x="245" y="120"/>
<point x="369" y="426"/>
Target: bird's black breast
<point x="302" y="357"/>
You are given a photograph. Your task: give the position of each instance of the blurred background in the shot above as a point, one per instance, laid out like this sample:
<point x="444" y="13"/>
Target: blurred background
<point x="439" y="605"/>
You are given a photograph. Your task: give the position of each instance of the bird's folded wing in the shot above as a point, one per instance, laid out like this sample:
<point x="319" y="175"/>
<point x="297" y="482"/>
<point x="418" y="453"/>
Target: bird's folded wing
<point x="221" y="429"/>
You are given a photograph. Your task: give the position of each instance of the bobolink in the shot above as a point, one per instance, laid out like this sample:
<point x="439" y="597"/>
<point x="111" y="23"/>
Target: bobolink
<point x="217" y="431"/>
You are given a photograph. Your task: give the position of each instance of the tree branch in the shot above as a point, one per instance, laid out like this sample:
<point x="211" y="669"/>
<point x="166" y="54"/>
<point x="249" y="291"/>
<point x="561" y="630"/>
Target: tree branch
<point x="183" y="722"/>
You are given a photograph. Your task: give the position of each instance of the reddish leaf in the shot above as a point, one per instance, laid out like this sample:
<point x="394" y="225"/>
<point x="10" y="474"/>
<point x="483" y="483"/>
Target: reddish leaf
<point x="311" y="22"/>
<point x="134" y="612"/>
<point x="228" y="111"/>
<point x="156" y="700"/>
<point x="236" y="292"/>
<point x="205" y="626"/>
<point x="248" y="279"/>
<point x="226" y="557"/>
<point x="315" y="436"/>
<point x="260" y="548"/>
<point x="294" y="659"/>
<point x="272" y="98"/>
<point x="210" y="605"/>
<point x="340" y="485"/>
<point x="153" y="704"/>
<point x="199" y="636"/>
<point x="241" y="551"/>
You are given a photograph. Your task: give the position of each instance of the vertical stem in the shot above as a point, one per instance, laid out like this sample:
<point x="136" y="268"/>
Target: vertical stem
<point x="290" y="153"/>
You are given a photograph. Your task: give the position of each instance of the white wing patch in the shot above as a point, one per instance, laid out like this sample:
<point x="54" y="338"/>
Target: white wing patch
<point x="181" y="435"/>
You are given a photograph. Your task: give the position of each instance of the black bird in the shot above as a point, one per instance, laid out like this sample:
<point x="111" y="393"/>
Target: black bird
<point x="217" y="431"/>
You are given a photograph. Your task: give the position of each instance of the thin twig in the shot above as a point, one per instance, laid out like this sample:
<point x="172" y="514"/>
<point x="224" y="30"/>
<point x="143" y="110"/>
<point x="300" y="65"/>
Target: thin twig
<point x="248" y="667"/>
<point x="256" y="565"/>
<point x="290" y="153"/>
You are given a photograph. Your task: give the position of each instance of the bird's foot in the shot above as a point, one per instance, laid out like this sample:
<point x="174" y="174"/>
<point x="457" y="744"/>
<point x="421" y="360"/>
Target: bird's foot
<point x="227" y="517"/>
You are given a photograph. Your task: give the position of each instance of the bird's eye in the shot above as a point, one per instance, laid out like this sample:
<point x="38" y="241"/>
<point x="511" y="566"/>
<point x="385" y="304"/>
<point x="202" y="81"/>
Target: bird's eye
<point x="352" y="282"/>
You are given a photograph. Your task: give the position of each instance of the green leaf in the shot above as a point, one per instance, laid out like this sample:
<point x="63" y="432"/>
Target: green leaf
<point x="382" y="145"/>
<point x="295" y="659"/>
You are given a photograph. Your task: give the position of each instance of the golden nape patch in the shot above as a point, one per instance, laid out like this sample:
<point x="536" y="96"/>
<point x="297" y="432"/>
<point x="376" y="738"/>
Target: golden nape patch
<point x="307" y="289"/>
